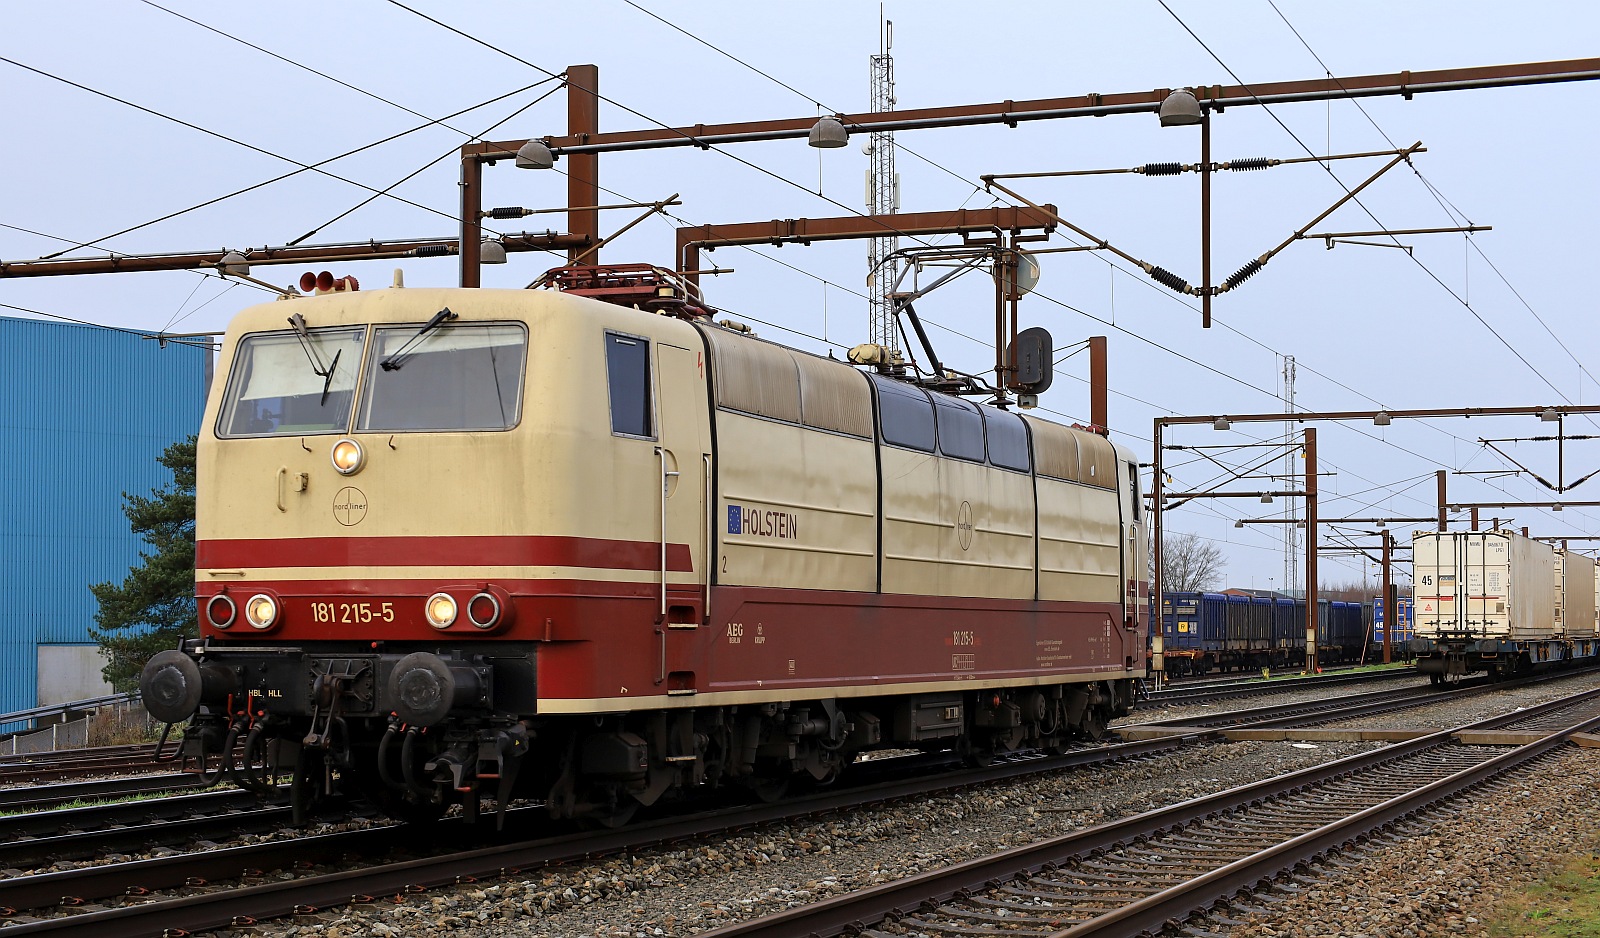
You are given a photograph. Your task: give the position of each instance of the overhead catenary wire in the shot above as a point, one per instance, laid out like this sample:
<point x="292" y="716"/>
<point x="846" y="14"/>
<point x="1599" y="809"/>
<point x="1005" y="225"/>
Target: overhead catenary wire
<point x="1424" y="267"/>
<point x="788" y="264"/>
<point x="100" y="241"/>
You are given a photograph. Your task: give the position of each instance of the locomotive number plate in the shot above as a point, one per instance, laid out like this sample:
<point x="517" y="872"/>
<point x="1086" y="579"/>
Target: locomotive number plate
<point x="356" y="613"/>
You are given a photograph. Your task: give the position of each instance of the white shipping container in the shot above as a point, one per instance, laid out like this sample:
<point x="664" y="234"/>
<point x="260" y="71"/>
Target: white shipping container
<point x="1487" y="584"/>
<point x="1556" y="585"/>
<point x="1577" y="595"/>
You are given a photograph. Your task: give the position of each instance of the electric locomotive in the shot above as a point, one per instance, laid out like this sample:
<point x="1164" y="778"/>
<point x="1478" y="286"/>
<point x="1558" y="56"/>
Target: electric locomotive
<point x="586" y="544"/>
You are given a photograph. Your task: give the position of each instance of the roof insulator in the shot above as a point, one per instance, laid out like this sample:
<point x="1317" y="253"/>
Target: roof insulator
<point x="1168" y="279"/>
<point x="1242" y="274"/>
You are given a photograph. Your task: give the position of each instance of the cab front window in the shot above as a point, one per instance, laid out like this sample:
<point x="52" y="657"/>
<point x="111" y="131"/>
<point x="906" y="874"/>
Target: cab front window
<point x="283" y="384"/>
<point x="460" y="376"/>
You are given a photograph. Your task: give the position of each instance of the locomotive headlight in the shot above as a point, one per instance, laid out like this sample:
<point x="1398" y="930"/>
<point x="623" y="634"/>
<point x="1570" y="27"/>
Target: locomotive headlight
<point x="261" y="611"/>
<point x="440" y="610"/>
<point x="347" y="457"/>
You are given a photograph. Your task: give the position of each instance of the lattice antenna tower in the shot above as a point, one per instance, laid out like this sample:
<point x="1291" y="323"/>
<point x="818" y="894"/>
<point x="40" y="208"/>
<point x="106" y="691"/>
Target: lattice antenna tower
<point x="1292" y="470"/>
<point x="883" y="195"/>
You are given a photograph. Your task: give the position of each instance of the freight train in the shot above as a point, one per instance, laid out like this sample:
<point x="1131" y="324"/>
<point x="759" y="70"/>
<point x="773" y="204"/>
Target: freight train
<point x="588" y="545"/>
<point x="1204" y="632"/>
<point x="1405" y="625"/>
<point x="1501" y="603"/>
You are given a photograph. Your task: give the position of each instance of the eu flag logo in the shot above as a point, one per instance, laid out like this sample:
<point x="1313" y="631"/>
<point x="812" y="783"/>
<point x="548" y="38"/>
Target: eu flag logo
<point x="735" y="520"/>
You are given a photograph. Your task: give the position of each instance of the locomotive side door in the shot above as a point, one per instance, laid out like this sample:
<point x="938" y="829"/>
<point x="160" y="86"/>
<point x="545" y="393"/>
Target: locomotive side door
<point x="684" y="456"/>
<point x="1135" y="565"/>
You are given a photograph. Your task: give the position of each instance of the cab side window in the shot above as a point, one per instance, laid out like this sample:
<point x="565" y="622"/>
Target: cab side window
<point x="628" y="379"/>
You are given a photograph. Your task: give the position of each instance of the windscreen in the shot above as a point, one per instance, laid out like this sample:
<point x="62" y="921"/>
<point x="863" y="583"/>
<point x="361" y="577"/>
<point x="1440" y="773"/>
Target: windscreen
<point x="465" y="376"/>
<point x="282" y="383"/>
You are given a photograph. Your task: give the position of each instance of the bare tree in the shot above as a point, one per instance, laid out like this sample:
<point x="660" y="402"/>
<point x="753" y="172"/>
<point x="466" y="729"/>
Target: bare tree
<point x="1191" y="564"/>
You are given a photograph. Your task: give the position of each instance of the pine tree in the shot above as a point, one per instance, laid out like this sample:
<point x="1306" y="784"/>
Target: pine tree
<point x="154" y="606"/>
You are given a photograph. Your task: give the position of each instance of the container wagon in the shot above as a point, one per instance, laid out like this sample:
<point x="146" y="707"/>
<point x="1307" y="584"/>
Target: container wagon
<point x="1487" y="601"/>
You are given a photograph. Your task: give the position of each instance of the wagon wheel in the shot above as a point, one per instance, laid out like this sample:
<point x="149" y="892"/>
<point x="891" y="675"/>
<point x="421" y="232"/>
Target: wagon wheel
<point x="1094" y="723"/>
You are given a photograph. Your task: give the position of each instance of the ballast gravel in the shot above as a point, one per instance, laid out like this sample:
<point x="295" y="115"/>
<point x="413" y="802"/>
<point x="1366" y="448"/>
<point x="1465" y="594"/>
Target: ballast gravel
<point x="1440" y="880"/>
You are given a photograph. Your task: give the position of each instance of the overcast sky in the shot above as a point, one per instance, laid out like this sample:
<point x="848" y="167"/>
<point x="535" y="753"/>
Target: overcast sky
<point x="1502" y="320"/>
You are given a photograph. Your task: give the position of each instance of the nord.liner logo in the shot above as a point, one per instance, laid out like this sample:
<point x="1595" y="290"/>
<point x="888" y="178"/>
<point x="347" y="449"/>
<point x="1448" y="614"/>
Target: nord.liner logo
<point x="349" y="506"/>
<point x="757" y="522"/>
<point x="964" y="525"/>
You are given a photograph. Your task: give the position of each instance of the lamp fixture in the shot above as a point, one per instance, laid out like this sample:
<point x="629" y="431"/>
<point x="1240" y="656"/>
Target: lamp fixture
<point x="1381" y="418"/>
<point x="535" y="155"/>
<point x="1266" y="498"/>
<point x="1221" y="423"/>
<point x="491" y="252"/>
<point x="1181" y="109"/>
<point x="1239" y="523"/>
<point x="1549" y="415"/>
<point x="828" y="134"/>
<point x="235" y="264"/>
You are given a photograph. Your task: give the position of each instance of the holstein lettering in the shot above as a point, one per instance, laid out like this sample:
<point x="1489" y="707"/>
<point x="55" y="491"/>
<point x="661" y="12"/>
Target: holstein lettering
<point x="758" y="522"/>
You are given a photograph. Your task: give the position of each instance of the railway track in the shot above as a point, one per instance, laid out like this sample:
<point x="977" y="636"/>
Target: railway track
<point x="76" y="763"/>
<point x="81" y="900"/>
<point x="41" y="797"/>
<point x="86" y="897"/>
<point x="1143" y="873"/>
<point x="1347" y="707"/>
<point x="1188" y="693"/>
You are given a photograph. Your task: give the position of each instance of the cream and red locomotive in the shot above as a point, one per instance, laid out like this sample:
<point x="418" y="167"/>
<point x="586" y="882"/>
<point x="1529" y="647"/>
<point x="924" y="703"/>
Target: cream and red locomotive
<point x="585" y="545"/>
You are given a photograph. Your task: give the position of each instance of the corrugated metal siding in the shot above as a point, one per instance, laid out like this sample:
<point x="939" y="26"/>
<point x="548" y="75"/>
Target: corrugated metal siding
<point x="84" y="413"/>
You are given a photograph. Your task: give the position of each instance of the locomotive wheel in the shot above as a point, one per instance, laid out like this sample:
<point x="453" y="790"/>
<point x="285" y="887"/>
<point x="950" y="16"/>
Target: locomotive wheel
<point x="974" y="754"/>
<point x="770" y="789"/>
<point x="617" y="815"/>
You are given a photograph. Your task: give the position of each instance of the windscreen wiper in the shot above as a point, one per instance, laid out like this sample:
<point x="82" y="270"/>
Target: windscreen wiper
<point x="327" y="379"/>
<point x="298" y="323"/>
<point x="393" y="362"/>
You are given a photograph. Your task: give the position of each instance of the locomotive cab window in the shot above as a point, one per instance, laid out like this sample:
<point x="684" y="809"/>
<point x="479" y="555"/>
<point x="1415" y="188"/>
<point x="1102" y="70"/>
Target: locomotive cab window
<point x="628" y="380"/>
<point x="463" y="376"/>
<point x="282" y="383"/>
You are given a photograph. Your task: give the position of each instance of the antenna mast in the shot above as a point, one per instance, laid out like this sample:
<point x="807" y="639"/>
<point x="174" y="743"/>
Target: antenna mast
<point x="883" y="196"/>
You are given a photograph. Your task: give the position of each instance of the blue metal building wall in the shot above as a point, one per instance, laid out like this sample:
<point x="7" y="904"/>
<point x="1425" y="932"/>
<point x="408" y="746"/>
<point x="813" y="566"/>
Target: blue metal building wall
<point x="84" y="413"/>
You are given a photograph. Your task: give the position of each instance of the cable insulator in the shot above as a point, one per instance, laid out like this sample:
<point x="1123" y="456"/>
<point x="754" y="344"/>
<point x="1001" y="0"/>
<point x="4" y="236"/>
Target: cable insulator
<point x="434" y="250"/>
<point x="1242" y="274"/>
<point x="1161" y="169"/>
<point x="506" y="211"/>
<point x="1169" y="280"/>
<point x="1253" y="163"/>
